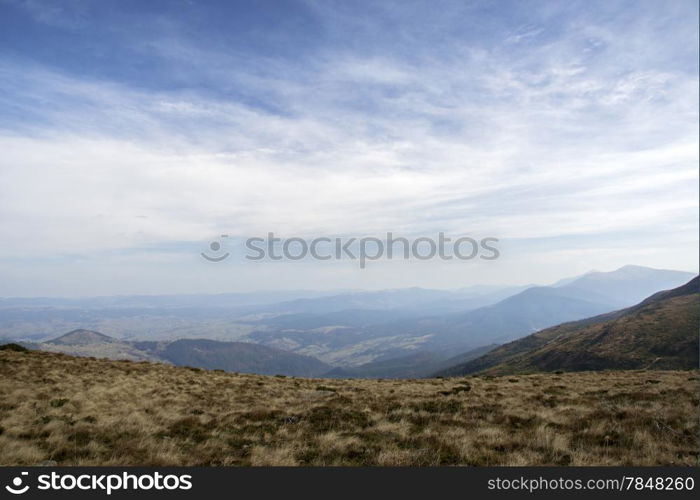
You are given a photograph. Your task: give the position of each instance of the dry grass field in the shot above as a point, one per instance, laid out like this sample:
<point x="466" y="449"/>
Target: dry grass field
<point x="80" y="411"/>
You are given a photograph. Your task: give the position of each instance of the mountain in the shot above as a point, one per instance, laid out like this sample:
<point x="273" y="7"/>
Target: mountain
<point x="93" y="344"/>
<point x="82" y="337"/>
<point x="354" y="338"/>
<point x="230" y="356"/>
<point x="528" y="311"/>
<point x="412" y="301"/>
<point x="629" y="284"/>
<point x="661" y="332"/>
<point x="348" y="328"/>
<point x="540" y="307"/>
<point x="231" y="317"/>
<point x="513" y="317"/>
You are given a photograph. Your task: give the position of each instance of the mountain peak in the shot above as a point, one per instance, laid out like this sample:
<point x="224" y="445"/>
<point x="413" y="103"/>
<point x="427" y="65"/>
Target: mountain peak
<point x="82" y="337"/>
<point x="635" y="269"/>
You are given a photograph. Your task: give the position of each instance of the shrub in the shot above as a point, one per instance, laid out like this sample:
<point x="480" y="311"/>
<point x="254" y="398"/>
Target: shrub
<point x="326" y="388"/>
<point x="13" y="347"/>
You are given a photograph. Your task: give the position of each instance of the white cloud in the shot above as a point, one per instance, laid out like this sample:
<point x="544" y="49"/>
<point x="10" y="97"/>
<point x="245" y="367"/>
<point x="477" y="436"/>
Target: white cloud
<point x="559" y="140"/>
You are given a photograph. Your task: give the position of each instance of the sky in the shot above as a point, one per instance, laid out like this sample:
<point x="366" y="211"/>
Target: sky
<point x="132" y="134"/>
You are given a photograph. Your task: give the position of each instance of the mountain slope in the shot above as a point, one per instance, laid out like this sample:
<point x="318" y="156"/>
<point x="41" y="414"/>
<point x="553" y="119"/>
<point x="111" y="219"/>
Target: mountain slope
<point x="529" y="311"/>
<point x="93" y="344"/>
<point x="661" y="333"/>
<point x="516" y="316"/>
<point x="349" y="340"/>
<point x="82" y="337"/>
<point x="230" y="356"/>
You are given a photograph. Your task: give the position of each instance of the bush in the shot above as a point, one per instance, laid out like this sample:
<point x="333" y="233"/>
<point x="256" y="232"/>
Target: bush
<point x="13" y="347"/>
<point x="326" y="388"/>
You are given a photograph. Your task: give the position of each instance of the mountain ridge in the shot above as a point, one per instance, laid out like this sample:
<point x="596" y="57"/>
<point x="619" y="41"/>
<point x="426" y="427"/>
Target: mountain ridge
<point x="659" y="332"/>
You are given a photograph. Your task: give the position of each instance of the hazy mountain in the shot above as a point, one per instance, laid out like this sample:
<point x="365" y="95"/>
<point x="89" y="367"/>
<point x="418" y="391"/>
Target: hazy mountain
<point x="661" y="332"/>
<point x="348" y="329"/>
<point x="231" y="316"/>
<point x="566" y="281"/>
<point x="629" y="284"/>
<point x="222" y="300"/>
<point x="540" y="307"/>
<point x="409" y="300"/>
<point x="348" y="338"/>
<point x="528" y="311"/>
<point x="513" y="317"/>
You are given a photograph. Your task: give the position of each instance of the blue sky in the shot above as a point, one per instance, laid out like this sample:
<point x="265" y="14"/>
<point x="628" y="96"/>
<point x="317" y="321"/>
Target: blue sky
<point x="132" y="133"/>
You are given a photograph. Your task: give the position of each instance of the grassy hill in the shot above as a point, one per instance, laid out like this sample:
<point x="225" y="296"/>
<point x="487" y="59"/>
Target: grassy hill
<point x="82" y="411"/>
<point x="660" y="333"/>
<point x="90" y="343"/>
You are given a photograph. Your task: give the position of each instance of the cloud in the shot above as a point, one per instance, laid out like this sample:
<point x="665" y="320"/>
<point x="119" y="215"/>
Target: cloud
<point x="538" y="132"/>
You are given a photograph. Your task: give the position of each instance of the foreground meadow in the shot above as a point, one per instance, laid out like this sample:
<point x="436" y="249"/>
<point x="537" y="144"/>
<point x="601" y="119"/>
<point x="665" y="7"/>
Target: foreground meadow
<point x="81" y="411"/>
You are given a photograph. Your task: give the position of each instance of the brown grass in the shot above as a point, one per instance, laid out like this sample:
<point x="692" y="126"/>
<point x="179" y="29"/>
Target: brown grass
<point x="80" y="411"/>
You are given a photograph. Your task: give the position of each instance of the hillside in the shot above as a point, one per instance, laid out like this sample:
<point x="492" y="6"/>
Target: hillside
<point x="81" y="411"/>
<point x="93" y="344"/>
<point x="659" y="333"/>
<point x="230" y="356"/>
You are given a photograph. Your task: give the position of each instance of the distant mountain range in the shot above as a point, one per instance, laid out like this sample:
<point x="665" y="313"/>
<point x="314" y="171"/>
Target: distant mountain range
<point x="659" y="333"/>
<point x="391" y="333"/>
<point x="443" y="335"/>
<point x="232" y="316"/>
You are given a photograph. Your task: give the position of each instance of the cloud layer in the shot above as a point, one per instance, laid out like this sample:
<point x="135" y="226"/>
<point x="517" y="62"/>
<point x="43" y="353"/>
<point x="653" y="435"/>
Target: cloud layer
<point x="570" y="132"/>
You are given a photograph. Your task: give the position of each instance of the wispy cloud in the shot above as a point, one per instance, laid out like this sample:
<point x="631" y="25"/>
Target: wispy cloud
<point x="549" y="124"/>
